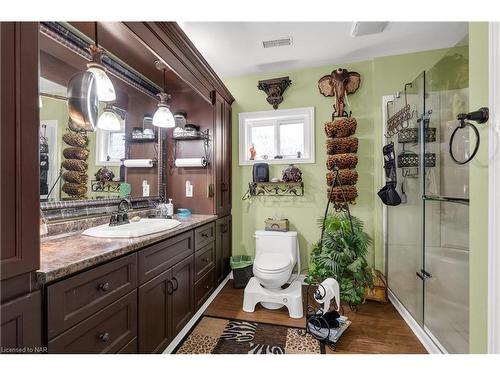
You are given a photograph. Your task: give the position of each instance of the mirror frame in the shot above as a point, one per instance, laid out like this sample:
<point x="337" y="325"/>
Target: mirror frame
<point x="72" y="209"/>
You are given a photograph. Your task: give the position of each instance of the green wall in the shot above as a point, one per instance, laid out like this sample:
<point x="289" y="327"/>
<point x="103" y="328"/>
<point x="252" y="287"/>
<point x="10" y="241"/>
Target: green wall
<point x="53" y="109"/>
<point x="478" y="209"/>
<point x="381" y="76"/>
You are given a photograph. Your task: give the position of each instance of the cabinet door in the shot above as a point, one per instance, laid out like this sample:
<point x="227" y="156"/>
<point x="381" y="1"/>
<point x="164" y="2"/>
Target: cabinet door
<point x="183" y="294"/>
<point x="222" y="248"/>
<point x="21" y="323"/>
<point x="19" y="118"/>
<point x="219" y="154"/>
<point x="226" y="245"/>
<point x="226" y="160"/>
<point x="155" y="311"/>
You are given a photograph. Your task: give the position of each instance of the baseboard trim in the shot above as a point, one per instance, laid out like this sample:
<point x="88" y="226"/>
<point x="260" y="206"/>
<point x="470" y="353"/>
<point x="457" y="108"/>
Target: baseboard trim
<point x="176" y="341"/>
<point x="422" y="336"/>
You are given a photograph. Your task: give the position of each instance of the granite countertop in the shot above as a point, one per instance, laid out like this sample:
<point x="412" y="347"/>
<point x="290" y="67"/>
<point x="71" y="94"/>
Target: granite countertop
<point x="65" y="254"/>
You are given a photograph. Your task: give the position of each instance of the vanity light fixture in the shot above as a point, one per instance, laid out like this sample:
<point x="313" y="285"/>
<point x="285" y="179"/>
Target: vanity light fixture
<point x="105" y="89"/>
<point x="108" y="120"/>
<point x="163" y="117"/>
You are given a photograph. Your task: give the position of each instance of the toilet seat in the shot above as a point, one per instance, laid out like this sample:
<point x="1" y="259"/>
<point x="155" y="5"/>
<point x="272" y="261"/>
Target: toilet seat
<point x="272" y="263"/>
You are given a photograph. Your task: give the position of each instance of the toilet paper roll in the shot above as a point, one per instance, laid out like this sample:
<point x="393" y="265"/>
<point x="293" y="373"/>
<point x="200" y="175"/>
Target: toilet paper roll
<point x="138" y="163"/>
<point x="191" y="162"/>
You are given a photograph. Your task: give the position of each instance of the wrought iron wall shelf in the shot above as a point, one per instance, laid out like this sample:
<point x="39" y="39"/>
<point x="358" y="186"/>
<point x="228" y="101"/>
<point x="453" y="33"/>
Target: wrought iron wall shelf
<point x="130" y="139"/>
<point x="277" y="189"/>
<point x="105" y="187"/>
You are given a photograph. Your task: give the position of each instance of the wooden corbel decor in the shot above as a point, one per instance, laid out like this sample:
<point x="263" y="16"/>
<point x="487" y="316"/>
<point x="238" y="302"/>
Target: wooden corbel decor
<point x="274" y="88"/>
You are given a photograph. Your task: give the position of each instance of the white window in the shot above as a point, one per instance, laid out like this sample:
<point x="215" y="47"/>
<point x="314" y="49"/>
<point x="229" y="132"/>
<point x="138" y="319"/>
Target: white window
<point x="277" y="137"/>
<point x="110" y="146"/>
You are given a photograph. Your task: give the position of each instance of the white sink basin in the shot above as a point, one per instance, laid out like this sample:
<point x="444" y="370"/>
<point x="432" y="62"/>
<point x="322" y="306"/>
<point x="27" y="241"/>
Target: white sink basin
<point x="141" y="228"/>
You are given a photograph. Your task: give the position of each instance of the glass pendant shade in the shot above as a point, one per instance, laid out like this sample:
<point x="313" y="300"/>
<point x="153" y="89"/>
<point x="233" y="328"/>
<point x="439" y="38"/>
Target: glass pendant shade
<point x="108" y="120"/>
<point x="163" y="118"/>
<point x="105" y="89"/>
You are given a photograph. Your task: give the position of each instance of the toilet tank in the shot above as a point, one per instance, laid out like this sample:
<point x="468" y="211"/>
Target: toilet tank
<point x="276" y="242"/>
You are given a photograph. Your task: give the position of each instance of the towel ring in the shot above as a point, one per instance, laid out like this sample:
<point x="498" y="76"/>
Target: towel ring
<point x="478" y="139"/>
<point x="480" y="116"/>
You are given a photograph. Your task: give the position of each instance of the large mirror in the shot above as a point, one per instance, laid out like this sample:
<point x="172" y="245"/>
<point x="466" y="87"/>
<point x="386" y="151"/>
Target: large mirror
<point x="99" y="164"/>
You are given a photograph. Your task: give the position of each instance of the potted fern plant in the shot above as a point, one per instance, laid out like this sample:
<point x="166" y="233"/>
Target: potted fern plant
<point x="342" y="255"/>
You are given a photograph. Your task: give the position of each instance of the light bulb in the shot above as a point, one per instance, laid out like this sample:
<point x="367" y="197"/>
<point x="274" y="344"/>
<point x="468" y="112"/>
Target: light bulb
<point x="105" y="89"/>
<point x="108" y="120"/>
<point x="163" y="118"/>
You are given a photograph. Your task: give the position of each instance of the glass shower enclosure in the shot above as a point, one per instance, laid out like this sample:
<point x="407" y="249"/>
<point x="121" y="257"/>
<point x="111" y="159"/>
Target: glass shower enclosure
<point x="427" y="235"/>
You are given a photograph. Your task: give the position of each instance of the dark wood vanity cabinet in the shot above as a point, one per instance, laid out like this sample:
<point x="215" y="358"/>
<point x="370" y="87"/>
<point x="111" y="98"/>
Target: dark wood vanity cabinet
<point x="223" y="247"/>
<point x="19" y="224"/>
<point x="222" y="114"/>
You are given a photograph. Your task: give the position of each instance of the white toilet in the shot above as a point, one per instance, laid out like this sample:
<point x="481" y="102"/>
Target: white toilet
<point x="276" y="254"/>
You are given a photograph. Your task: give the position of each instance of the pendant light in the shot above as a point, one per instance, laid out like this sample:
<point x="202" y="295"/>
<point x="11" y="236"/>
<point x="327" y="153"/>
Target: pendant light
<point x="105" y="89"/>
<point x="163" y="118"/>
<point x="108" y="120"/>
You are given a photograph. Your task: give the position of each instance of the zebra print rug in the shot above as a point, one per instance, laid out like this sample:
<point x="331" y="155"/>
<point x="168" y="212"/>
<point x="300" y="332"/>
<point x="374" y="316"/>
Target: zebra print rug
<point x="223" y="336"/>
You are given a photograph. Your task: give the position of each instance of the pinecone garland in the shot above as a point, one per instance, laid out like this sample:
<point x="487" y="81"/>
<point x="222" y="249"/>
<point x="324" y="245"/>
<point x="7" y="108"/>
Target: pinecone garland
<point x="344" y="161"/>
<point x="346" y="177"/>
<point x="75" y="139"/>
<point x="349" y="191"/>
<point x="74" y="165"/>
<point x="79" y="153"/>
<point x="75" y="177"/>
<point x="341" y="145"/>
<point x="75" y="190"/>
<point x="342" y="127"/>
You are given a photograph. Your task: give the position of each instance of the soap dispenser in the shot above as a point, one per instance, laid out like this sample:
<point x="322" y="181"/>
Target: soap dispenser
<point x="170" y="209"/>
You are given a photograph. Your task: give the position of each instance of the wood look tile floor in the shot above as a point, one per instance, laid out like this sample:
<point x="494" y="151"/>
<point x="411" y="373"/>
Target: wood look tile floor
<point x="376" y="328"/>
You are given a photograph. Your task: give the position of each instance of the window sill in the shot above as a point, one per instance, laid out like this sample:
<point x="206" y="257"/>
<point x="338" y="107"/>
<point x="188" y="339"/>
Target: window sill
<point x="277" y="161"/>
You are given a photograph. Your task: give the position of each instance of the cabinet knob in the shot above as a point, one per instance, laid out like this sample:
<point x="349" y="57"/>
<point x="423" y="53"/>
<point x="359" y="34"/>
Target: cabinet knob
<point x="170" y="287"/>
<point x="207" y="287"/>
<point x="176" y="286"/>
<point x="104" y="287"/>
<point x="104" y="337"/>
<point x="204" y="235"/>
<point x="206" y="260"/>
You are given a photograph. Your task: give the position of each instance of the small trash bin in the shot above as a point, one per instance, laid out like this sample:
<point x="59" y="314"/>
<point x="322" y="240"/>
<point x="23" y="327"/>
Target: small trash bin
<point x="242" y="266"/>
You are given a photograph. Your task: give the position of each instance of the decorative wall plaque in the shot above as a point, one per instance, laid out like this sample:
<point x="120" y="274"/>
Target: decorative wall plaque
<point x="274" y="88"/>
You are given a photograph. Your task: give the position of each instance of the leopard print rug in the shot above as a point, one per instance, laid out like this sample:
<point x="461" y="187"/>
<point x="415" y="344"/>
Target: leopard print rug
<point x="223" y="336"/>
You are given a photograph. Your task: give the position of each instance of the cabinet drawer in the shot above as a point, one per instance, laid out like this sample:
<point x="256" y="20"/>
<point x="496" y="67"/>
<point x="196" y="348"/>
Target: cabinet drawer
<point x="108" y="331"/>
<point x="204" y="235"/>
<point x="204" y="288"/>
<point x="74" y="299"/>
<point x="130" y="348"/>
<point x="157" y="258"/>
<point x="204" y="260"/>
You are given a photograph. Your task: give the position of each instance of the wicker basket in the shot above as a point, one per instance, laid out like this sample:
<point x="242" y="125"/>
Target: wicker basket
<point x="74" y="165"/>
<point x="79" y="153"/>
<point x="344" y="161"/>
<point x="75" y="139"/>
<point x="343" y="127"/>
<point x="75" y="177"/>
<point x="379" y="290"/>
<point x="350" y="192"/>
<point x="346" y="177"/>
<point x="75" y="190"/>
<point x="341" y="145"/>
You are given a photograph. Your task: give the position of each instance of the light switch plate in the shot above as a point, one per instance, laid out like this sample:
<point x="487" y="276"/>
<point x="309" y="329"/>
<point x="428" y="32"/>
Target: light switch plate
<point x="189" y="189"/>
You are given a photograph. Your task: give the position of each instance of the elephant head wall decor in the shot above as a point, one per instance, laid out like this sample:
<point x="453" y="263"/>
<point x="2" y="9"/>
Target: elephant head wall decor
<point x="339" y="84"/>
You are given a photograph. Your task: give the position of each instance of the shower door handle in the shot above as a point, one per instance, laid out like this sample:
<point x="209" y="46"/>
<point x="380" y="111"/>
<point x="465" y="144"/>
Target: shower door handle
<point x="423" y="274"/>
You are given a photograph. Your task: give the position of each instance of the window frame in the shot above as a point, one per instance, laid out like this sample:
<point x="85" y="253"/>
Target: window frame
<point x="102" y="146"/>
<point x="248" y="120"/>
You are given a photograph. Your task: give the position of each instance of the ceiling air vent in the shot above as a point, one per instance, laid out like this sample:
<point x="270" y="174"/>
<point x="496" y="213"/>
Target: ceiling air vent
<point x="277" y="42"/>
